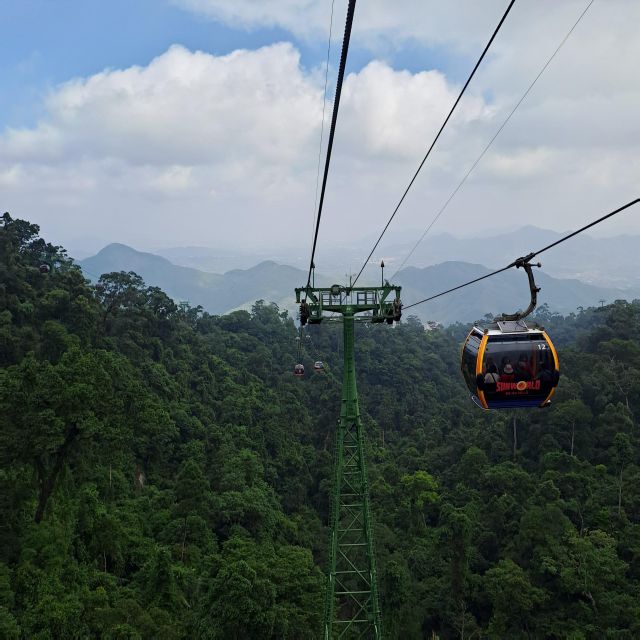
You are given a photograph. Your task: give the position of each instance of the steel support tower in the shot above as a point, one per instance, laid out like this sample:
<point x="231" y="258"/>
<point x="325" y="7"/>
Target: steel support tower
<point x="352" y="607"/>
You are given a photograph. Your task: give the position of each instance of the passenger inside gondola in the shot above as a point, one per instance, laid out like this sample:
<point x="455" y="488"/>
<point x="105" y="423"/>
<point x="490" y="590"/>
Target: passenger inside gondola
<point x="491" y="369"/>
<point x="508" y="374"/>
<point x="523" y="368"/>
<point x="547" y="377"/>
<point x="491" y="375"/>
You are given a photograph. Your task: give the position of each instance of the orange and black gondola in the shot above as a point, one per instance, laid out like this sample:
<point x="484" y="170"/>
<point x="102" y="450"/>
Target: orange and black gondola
<point x="508" y="365"/>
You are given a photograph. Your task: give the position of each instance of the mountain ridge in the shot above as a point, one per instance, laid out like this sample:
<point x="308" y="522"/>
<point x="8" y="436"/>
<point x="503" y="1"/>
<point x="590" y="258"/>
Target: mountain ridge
<point x="611" y="261"/>
<point x="274" y="282"/>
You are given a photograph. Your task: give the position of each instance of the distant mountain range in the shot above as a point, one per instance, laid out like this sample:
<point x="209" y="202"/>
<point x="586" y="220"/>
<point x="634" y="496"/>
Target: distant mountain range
<point x="238" y="288"/>
<point x="272" y="282"/>
<point x="504" y="293"/>
<point x="606" y="262"/>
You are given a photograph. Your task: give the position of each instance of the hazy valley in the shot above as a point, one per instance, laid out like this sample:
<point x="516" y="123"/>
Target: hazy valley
<point x="596" y="271"/>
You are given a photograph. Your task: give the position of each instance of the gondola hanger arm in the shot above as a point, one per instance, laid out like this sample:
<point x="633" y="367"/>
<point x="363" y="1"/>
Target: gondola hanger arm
<point x="524" y="263"/>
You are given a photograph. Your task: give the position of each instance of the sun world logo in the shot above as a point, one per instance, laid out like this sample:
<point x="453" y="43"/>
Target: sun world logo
<point x="522" y="385"/>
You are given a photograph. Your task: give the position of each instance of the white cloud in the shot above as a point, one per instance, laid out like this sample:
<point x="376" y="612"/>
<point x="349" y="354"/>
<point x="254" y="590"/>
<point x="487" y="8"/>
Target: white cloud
<point x="183" y="106"/>
<point x="377" y="23"/>
<point x="11" y="176"/>
<point x="175" y="179"/>
<point x="303" y="16"/>
<point x="239" y="131"/>
<point x="201" y="149"/>
<point x="389" y="113"/>
<point x="523" y="163"/>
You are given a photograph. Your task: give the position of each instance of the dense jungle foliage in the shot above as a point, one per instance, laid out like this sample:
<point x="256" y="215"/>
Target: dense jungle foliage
<point x="164" y="475"/>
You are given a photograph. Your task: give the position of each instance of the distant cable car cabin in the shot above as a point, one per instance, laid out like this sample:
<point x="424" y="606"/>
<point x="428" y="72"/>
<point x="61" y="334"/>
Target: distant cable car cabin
<point x="44" y="268"/>
<point x="298" y="370"/>
<point x="509" y="364"/>
<point x="318" y="366"/>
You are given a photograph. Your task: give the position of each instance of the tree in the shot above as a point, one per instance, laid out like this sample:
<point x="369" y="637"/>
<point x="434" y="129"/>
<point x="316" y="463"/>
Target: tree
<point x="46" y="410"/>
<point x="420" y="490"/>
<point x="572" y="413"/>
<point x="9" y="628"/>
<point x="514" y="601"/>
<point x="622" y="455"/>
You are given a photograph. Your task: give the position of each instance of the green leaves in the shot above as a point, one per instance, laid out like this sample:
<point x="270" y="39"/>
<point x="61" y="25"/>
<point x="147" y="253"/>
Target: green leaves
<point x="261" y="591"/>
<point x="515" y="601"/>
<point x="178" y="474"/>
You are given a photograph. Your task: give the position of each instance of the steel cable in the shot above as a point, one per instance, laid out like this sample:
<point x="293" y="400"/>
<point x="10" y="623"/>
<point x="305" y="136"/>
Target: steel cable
<point x="529" y="256"/>
<point x="444" y="124"/>
<point x="324" y="106"/>
<point x="497" y="133"/>
<point x="332" y="130"/>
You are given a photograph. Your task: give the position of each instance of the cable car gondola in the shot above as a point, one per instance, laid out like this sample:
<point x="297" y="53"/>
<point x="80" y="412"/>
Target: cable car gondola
<point x="298" y="370"/>
<point x="318" y="366"/>
<point x="508" y="364"/>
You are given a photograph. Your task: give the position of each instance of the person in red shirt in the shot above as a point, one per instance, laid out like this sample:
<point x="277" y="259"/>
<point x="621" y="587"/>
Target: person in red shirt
<point x="508" y="374"/>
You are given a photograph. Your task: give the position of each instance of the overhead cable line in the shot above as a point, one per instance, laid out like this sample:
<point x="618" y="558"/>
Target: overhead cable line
<point x="528" y="257"/>
<point x="324" y="105"/>
<point x="332" y="130"/>
<point x="497" y="133"/>
<point x="444" y="124"/>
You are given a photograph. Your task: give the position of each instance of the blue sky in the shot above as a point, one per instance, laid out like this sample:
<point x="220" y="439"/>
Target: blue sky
<point x="47" y="42"/>
<point x="106" y="130"/>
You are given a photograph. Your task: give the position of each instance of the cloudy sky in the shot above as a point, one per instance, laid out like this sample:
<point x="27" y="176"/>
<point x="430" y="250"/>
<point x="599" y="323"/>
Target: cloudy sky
<point x="197" y="122"/>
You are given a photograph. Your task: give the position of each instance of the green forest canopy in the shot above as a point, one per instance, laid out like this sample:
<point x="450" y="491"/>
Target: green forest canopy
<point x="163" y="475"/>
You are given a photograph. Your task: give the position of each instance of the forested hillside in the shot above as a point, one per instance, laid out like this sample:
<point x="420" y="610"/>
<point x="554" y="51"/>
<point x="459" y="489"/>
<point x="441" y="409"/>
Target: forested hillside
<point x="216" y="293"/>
<point x="164" y="475"/>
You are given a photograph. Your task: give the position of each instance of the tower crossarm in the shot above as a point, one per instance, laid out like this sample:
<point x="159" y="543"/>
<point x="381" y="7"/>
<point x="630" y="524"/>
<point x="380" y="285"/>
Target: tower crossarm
<point x="381" y="303"/>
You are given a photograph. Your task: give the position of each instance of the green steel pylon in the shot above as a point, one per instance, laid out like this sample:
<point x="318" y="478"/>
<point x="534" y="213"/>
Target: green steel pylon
<point x="352" y="607"/>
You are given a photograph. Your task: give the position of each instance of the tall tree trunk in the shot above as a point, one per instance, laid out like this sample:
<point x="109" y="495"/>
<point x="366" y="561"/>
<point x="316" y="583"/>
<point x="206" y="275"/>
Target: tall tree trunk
<point x="48" y="480"/>
<point x="326" y="441"/>
<point x="47" y="485"/>
<point x="581" y="520"/>
<point x="626" y="399"/>
<point x="184" y="539"/>
<point x="620" y="492"/>
<point x="573" y="433"/>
